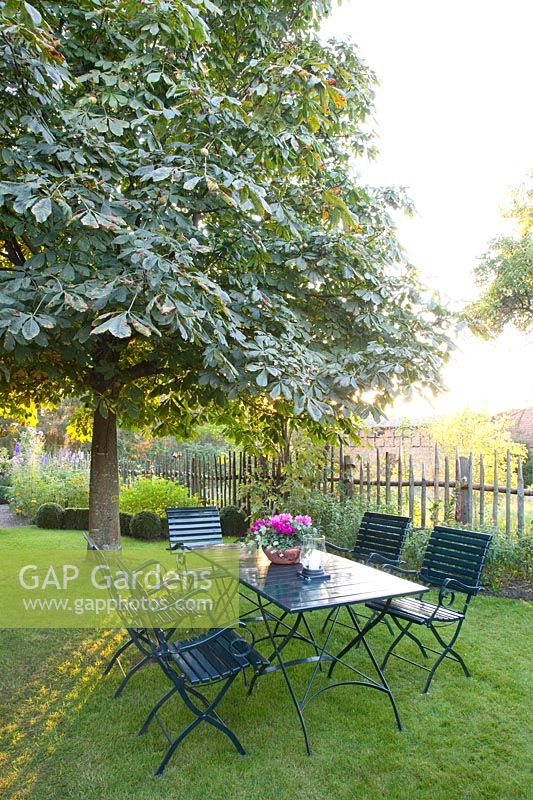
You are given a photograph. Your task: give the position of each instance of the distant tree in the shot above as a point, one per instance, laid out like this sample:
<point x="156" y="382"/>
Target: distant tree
<point x="180" y="226"/>
<point x="478" y="433"/>
<point x="505" y="274"/>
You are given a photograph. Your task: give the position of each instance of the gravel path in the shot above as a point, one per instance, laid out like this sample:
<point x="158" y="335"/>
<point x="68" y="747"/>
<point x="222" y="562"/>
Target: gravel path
<point x="10" y="520"/>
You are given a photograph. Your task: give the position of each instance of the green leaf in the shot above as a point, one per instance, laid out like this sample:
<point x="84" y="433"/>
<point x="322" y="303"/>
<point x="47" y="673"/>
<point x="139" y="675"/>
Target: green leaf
<point x="116" y="326"/>
<point x="212" y="7"/>
<point x="159" y="174"/>
<point x="76" y="302"/>
<point x="262" y="378"/>
<point x="89" y="220"/>
<point x="42" y="209"/>
<point x="314" y="411"/>
<point x="34" y="14"/>
<point x="140" y="327"/>
<point x="192" y="182"/>
<point x="117" y="126"/>
<point x="30" y="329"/>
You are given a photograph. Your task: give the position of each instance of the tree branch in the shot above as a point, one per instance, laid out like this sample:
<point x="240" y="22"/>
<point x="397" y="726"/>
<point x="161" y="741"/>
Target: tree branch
<point x="142" y="370"/>
<point x="14" y="251"/>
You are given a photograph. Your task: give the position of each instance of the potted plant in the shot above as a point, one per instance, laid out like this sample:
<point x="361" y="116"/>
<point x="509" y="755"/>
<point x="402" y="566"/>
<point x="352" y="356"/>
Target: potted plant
<point x="281" y="536"/>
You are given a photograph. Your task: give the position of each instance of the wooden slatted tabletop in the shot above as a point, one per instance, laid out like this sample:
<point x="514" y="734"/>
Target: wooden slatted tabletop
<point x="350" y="583"/>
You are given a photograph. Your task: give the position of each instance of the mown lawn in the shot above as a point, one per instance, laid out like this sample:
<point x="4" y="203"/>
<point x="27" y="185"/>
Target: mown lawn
<point x="63" y="736"/>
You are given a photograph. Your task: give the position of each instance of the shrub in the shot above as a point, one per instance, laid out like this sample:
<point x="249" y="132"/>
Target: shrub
<point x="337" y="520"/>
<point x="145" y="525"/>
<point x="6" y="492"/>
<point x="49" y="515"/>
<point x="508" y="559"/>
<point x="76" y="519"/>
<point x="155" y="494"/>
<point x="36" y="484"/>
<point x="125" y="521"/>
<point x="233" y="521"/>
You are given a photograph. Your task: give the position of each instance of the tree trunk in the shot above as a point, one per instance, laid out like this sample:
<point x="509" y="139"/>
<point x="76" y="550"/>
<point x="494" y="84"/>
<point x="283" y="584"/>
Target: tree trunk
<point x="104" y="523"/>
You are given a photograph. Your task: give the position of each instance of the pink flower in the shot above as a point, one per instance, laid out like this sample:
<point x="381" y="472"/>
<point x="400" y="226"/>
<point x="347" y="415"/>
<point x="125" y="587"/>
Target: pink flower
<point x="282" y="523"/>
<point x="258" y="524"/>
<point x="304" y="519"/>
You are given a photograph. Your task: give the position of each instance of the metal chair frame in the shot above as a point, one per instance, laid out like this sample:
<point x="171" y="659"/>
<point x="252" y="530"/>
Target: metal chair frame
<point x="216" y="657"/>
<point x="193" y="527"/>
<point x="453" y="563"/>
<point x="379" y="541"/>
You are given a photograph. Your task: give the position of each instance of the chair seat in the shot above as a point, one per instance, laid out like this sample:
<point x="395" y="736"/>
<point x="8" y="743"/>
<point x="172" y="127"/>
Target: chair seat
<point x="214" y="659"/>
<point x="417" y="611"/>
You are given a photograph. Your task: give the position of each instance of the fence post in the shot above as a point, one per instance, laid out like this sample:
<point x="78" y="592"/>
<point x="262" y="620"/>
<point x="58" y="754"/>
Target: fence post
<point x="470" y="491"/>
<point x="400" y="480"/>
<point x="520" y="500"/>
<point x="423" y="495"/>
<point x="347" y="477"/>
<point x="461" y="490"/>
<point x="495" y="497"/>
<point x="436" y="488"/>
<point x="387" y="478"/>
<point x="508" y="495"/>
<point x="481" y="491"/>
<point x="411" y="492"/>
<point x="447" y="508"/>
<point x="378" y="479"/>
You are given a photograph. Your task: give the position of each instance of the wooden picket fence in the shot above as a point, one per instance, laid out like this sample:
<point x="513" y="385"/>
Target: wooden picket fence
<point x="444" y="491"/>
<point x="217" y="479"/>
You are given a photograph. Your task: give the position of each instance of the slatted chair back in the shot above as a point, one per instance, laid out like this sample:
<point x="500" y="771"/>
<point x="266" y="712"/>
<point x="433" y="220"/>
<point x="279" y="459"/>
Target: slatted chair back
<point x="383" y="534"/>
<point x="456" y="554"/>
<point x="193" y="527"/>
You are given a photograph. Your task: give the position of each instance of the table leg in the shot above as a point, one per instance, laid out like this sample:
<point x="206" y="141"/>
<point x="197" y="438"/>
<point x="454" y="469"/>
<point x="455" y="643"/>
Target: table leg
<point x="277" y="653"/>
<point x="361" y="639"/>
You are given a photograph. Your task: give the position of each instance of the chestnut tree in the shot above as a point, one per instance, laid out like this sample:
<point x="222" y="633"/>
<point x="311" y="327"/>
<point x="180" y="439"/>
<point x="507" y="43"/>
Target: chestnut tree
<point x="182" y="228"/>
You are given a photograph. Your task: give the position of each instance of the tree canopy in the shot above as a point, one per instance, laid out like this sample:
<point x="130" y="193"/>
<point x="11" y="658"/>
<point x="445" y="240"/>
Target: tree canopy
<point x="505" y="273"/>
<point x="181" y="223"/>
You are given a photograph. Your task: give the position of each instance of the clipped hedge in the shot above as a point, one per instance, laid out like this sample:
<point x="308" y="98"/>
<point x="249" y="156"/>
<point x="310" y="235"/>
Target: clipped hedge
<point x="49" y="515"/>
<point x="76" y="519"/>
<point x="232" y="521"/>
<point x="125" y="521"/>
<point x="145" y="525"/>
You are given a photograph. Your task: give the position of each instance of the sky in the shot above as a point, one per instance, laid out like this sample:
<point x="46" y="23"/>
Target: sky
<point x="454" y="120"/>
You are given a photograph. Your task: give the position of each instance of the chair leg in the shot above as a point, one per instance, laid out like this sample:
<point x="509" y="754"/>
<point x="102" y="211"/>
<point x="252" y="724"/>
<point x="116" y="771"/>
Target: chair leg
<point x="155" y="709"/>
<point x="174" y="745"/>
<point x="207" y="714"/>
<point x="116" y="655"/>
<point x="447" y="652"/>
<point x="130" y="674"/>
<point x="418" y="643"/>
<point x="403" y="632"/>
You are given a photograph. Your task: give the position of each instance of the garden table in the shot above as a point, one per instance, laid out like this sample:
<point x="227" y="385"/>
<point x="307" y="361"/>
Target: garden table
<point x="350" y="583"/>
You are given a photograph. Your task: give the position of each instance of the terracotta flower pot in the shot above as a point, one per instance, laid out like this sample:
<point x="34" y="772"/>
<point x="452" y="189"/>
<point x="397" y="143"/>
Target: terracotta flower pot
<point x="290" y="556"/>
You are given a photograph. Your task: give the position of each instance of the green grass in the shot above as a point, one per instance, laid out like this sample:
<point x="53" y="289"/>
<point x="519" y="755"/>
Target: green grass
<point x="63" y="736"/>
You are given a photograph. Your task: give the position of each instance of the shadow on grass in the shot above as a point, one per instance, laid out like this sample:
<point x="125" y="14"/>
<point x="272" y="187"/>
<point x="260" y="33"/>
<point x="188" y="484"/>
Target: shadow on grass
<point x="39" y="712"/>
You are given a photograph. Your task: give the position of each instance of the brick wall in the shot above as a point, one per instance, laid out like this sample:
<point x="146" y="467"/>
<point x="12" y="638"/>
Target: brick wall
<point x="521" y="426"/>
